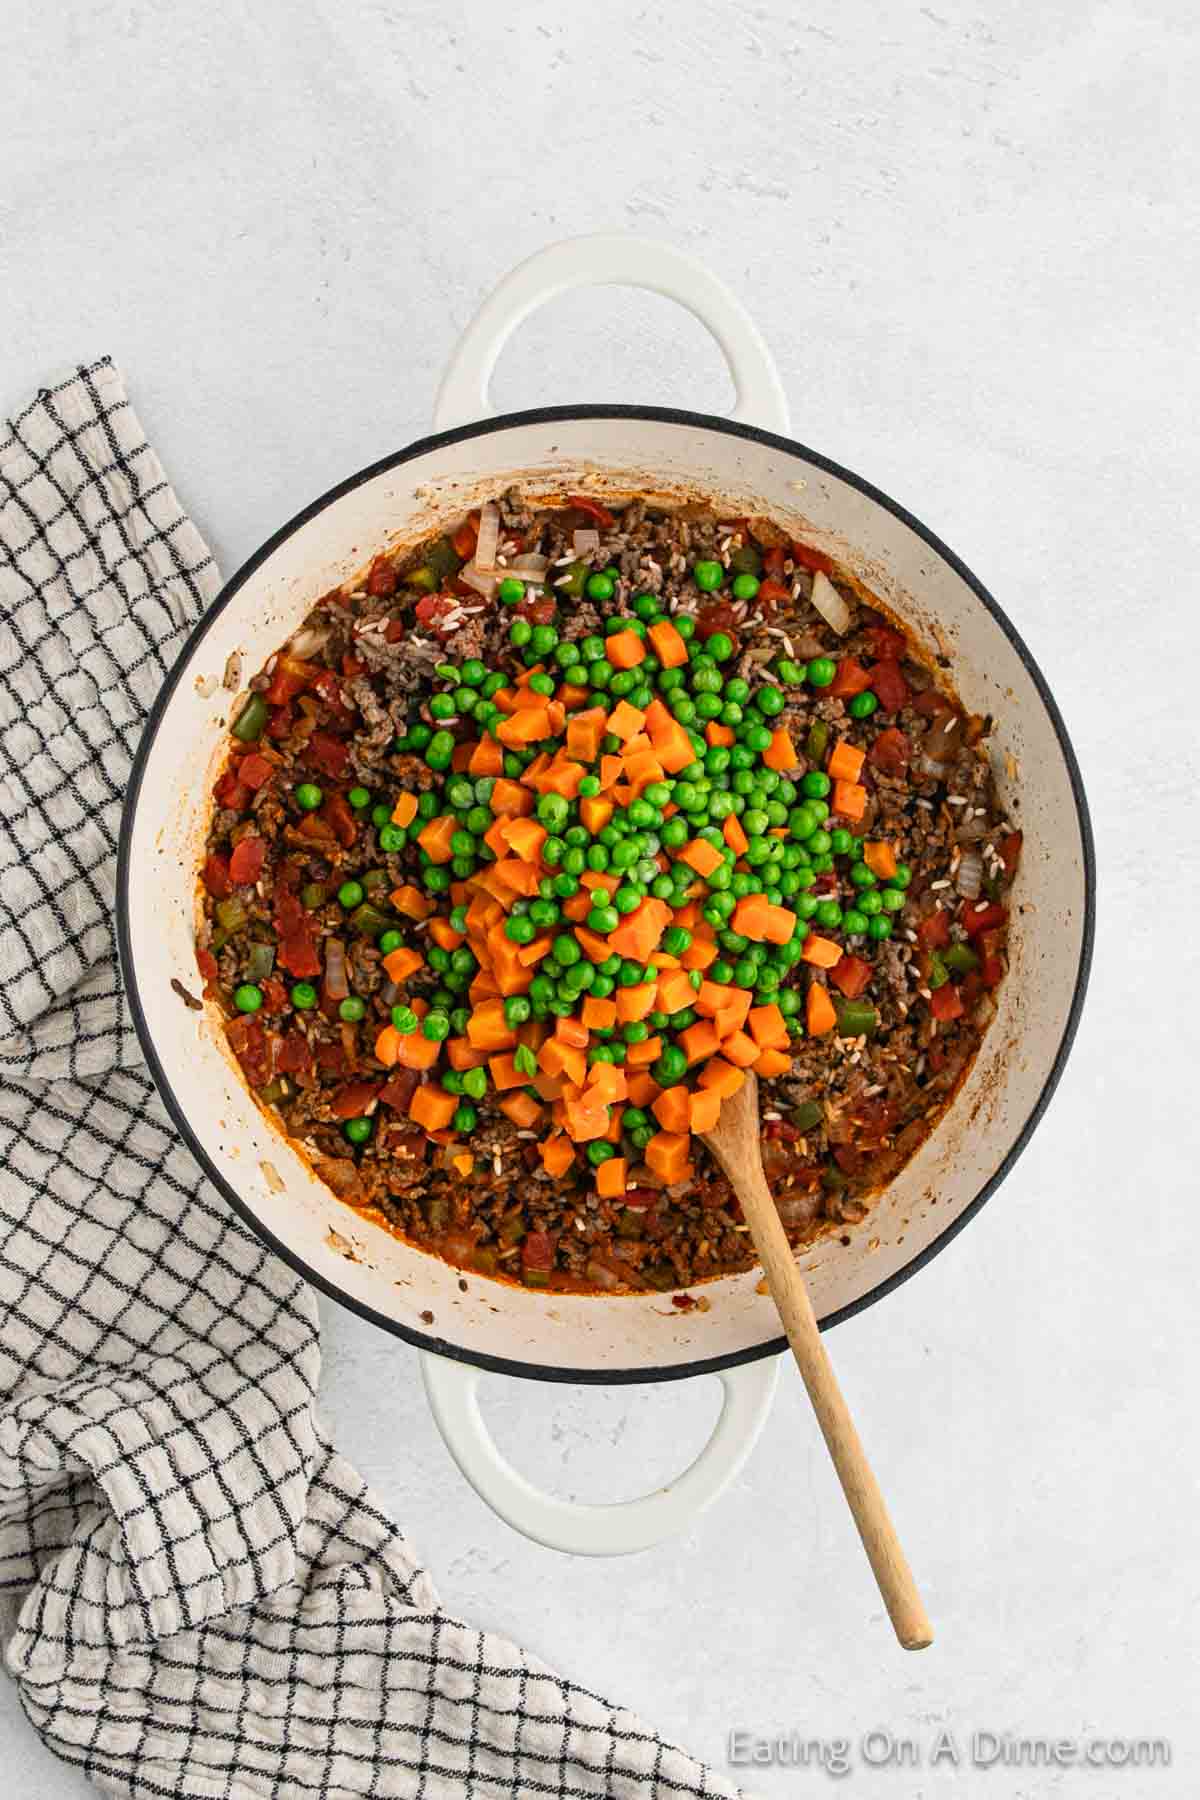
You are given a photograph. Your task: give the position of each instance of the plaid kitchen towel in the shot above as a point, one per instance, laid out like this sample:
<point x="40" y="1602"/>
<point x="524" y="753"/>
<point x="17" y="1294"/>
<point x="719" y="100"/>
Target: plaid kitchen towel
<point x="198" y="1597"/>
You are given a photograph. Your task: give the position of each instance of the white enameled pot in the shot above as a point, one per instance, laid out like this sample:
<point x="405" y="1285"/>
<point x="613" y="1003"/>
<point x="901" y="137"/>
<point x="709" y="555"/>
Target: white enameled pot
<point x="751" y="465"/>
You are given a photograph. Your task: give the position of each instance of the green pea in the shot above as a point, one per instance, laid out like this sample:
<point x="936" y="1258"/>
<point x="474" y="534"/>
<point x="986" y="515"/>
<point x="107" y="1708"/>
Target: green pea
<point x="440" y="750"/>
<point x="308" y="796"/>
<point x="465" y="1117"/>
<point x="771" y="702"/>
<point x="708" y="576"/>
<point x="511" y="591"/>
<point x="829" y="914"/>
<point x="519" y="633"/>
<point x="854" y="921"/>
<point x="304" y="995"/>
<point x="879" y="927"/>
<point x="356" y="1131"/>
<point x="892" y="900"/>
<point x="520" y="929"/>
<point x="720" y="646"/>
<point x="861" y="706"/>
<point x="247" y="998"/>
<point x="816" y="784"/>
<point x="475" y="1083"/>
<point x="789" y="671"/>
<point x="352" y="1009"/>
<point x="600" y="672"/>
<point x="566" y="950"/>
<point x="350" y="895"/>
<point x="600" y="586"/>
<point x="745" y="587"/>
<point x="902" y="877"/>
<point x="821" y="671"/>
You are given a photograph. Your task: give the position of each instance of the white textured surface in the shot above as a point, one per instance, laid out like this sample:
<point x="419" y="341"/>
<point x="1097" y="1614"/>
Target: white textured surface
<point x="968" y="234"/>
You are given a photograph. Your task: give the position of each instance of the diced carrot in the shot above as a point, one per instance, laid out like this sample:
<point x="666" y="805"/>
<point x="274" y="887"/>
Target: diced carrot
<point x="432" y="1107"/>
<point x="527" y="674"/>
<point x="525" y="727"/>
<point x="820" y="1015"/>
<point x="675" y="991"/>
<point x="709" y="998"/>
<point x="605" y="1084"/>
<point x="734" y="836"/>
<point x="821" y="952"/>
<point x="880" y="858"/>
<point x="780" y="753"/>
<point x="522" y="1109"/>
<point x="463" y="1163"/>
<point x="699" y="954"/>
<point x="435" y="839"/>
<point x="487" y="758"/>
<point x="594" y="879"/>
<point x="704" y="1109"/>
<point x="585" y="1123"/>
<point x="845" y="762"/>
<point x="562" y="777"/>
<point x="641" y="1084"/>
<point x="671" y="1109"/>
<point x="402" y="962"/>
<point x="768" y="1027"/>
<point x="611" y="770"/>
<point x="488" y="1029"/>
<point x="636" y="937"/>
<point x="444" y="935"/>
<point x="722" y="1077"/>
<point x="641" y="768"/>
<point x="772" y="1062"/>
<point x="532" y="775"/>
<point x="699" y="1041"/>
<point x="550" y="1087"/>
<point x="594" y="947"/>
<point x="599" y="1015"/>
<point x="572" y="1031"/>
<point x="848" y="799"/>
<point x="624" y="650"/>
<point x="624" y="721"/>
<point x="610" y="1178"/>
<point x="577" y="906"/>
<point x="496" y="836"/>
<point x="740" y="1050"/>
<point x="520" y="877"/>
<point x="558" y="1058"/>
<point x="416" y="1051"/>
<point x="701" y="856"/>
<point x="667" y="1155"/>
<point x="405" y="810"/>
<point x="411" y="901"/>
<point x="505" y="699"/>
<point x="719" y="735"/>
<point x="668" y="646"/>
<point x="735" y="1008"/>
<point x="510" y="800"/>
<point x="635" y="1002"/>
<point x="557" y="1155"/>
<point x="387" y="1046"/>
<point x="640" y="1056"/>
<point x="526" y="837"/>
<point x="461" y="1054"/>
<point x="781" y="923"/>
<point x="570" y="695"/>
<point x="750" y="917"/>
<point x="528" y="954"/>
<point x="505" y="1073"/>
<point x="595" y="812"/>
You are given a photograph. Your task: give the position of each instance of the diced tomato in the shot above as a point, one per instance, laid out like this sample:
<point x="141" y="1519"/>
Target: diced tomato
<point x="430" y="612"/>
<point x="970" y="987"/>
<point x="931" y="704"/>
<point x="327" y="753"/>
<point x="232" y="793"/>
<point x="280" y="721"/>
<point x="945" y="1003"/>
<point x="290" y="676"/>
<point x="933" y="933"/>
<point x="464" y="538"/>
<point x="248" y="1041"/>
<point x="329" y="686"/>
<point x="275" y="995"/>
<point x="337" y="815"/>
<point x="781" y="1131"/>
<point x="206" y="962"/>
<point x="382" y="580"/>
<point x="874" y="1118"/>
<point x="991" y="970"/>
<point x="852" y="975"/>
<point x="537" y="1250"/>
<point x="216" y="875"/>
<point x="851" y="678"/>
<point x="718" y="617"/>
<point x="890" y="752"/>
<point x="246" y="863"/>
<point x="351" y="1101"/>
<point x="885" y="644"/>
<point x="352" y="665"/>
<point x="317" y="830"/>
<point x="294" y="1055"/>
<point x="297" y="951"/>
<point x="773" y="561"/>
<point x="593" y="509"/>
<point x="888" y="683"/>
<point x="850" y="1159"/>
<point x="254" y="770"/>
<point x="771" y="593"/>
<point x="1009" y="851"/>
<point x="398" y="1091"/>
<point x="976" y="917"/>
<point x="538" y="612"/>
<point x="331" y="1058"/>
<point x="393" y="631"/>
<point x="809" y="558"/>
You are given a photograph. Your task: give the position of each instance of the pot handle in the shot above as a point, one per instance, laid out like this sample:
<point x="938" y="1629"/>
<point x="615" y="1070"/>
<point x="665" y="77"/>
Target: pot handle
<point x="589" y="1530"/>
<point x="610" y="258"/>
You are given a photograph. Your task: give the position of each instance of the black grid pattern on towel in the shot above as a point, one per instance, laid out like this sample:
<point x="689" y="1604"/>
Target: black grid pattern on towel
<point x="198" y="1597"/>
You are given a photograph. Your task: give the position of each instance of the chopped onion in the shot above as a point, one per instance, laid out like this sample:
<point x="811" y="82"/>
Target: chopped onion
<point x="389" y="993"/>
<point x="584" y="542"/>
<point x="308" y="642"/>
<point x="829" y="603"/>
<point x="602" y="1275"/>
<point x="529" y="564"/>
<point x="336" y="984"/>
<point x="968" y="877"/>
<point x="929" y="765"/>
<point x="972" y="832"/>
<point x="488" y="541"/>
<point x="483" y="582"/>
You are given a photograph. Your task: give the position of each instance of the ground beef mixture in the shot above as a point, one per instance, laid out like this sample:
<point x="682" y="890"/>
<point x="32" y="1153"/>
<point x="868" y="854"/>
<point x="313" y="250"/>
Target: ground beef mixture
<point x="828" y="842"/>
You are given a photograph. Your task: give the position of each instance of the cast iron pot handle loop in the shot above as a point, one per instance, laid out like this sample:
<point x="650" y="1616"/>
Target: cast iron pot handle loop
<point x="576" y="1527"/>
<point x="615" y="260"/>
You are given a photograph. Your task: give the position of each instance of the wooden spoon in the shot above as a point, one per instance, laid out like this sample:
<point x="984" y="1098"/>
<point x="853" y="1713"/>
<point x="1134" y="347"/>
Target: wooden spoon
<point x="735" y="1144"/>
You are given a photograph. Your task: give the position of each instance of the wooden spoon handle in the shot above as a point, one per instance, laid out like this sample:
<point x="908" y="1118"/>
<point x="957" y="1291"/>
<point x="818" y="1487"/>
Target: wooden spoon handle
<point x="859" y="1485"/>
